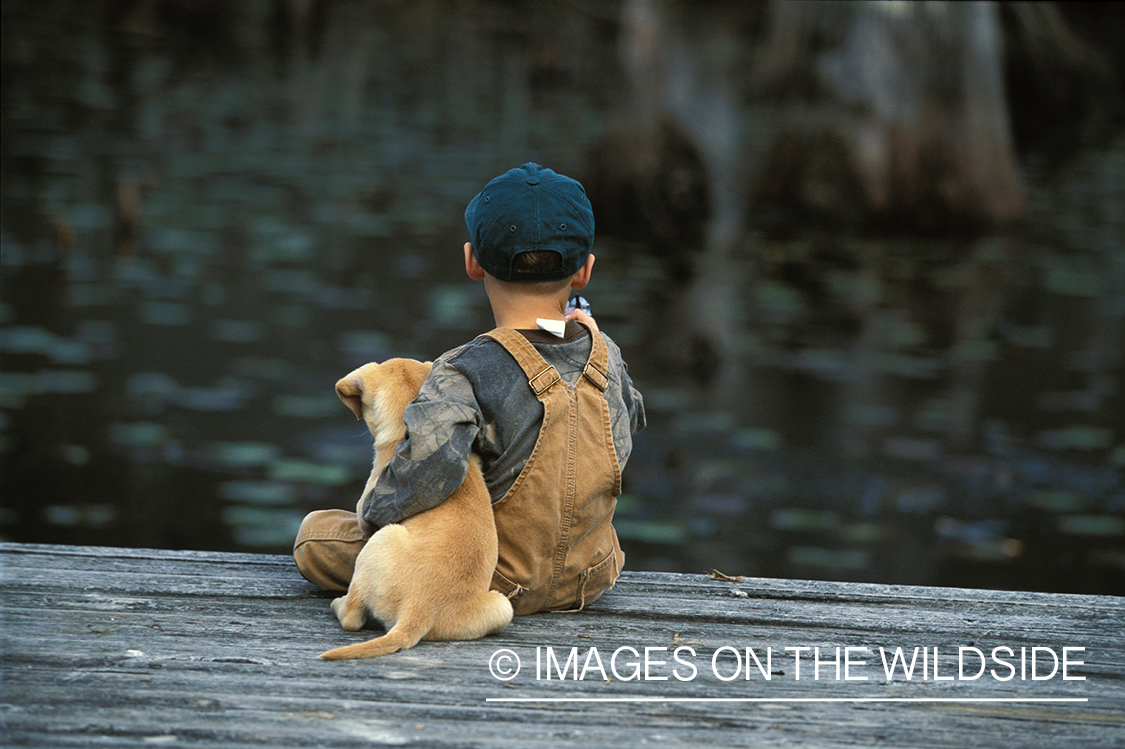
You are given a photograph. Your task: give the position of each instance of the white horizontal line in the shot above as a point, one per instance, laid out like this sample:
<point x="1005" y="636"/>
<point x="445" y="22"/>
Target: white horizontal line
<point x="787" y="699"/>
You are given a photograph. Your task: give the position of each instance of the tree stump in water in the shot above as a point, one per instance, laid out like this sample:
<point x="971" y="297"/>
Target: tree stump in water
<point x="898" y="115"/>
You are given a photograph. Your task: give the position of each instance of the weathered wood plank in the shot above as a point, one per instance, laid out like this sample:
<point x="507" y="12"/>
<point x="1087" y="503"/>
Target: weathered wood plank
<point x="135" y="647"/>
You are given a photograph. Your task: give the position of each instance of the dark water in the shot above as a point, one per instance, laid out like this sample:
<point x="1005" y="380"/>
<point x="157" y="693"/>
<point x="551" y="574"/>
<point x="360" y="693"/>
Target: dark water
<point x="206" y="223"/>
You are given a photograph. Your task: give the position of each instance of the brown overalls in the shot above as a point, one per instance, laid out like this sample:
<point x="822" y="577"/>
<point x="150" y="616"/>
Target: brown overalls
<point x="558" y="548"/>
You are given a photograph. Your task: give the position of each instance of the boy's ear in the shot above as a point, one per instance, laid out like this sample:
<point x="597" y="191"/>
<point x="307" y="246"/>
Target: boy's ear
<point x="350" y="390"/>
<point x="472" y="267"/>
<point x="582" y="277"/>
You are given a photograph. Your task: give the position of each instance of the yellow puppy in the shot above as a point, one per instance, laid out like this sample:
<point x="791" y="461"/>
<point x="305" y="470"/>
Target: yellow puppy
<point x="428" y="577"/>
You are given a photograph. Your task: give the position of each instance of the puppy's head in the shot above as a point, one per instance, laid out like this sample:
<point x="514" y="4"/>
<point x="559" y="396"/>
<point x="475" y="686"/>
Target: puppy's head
<point x="379" y="393"/>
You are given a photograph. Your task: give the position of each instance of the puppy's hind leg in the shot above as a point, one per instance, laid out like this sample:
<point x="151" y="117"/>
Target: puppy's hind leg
<point x="350" y="611"/>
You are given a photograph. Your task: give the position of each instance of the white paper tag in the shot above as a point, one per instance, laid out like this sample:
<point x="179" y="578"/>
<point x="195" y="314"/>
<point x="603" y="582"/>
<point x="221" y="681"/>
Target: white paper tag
<point x="556" y="327"/>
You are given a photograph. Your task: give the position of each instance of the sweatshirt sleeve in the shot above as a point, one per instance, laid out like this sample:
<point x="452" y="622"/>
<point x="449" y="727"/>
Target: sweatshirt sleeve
<point x="631" y="397"/>
<point x="431" y="462"/>
<point x="634" y="402"/>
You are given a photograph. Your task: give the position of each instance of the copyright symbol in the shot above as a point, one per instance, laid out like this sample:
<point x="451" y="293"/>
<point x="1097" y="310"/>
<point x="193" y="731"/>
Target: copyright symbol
<point x="504" y="664"/>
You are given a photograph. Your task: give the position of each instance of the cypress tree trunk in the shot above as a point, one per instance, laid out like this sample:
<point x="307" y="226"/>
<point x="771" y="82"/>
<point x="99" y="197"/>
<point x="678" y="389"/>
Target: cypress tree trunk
<point x="896" y="114"/>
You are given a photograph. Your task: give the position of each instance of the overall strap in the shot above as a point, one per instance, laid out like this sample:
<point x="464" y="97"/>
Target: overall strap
<point x="598" y="366"/>
<point x="541" y="375"/>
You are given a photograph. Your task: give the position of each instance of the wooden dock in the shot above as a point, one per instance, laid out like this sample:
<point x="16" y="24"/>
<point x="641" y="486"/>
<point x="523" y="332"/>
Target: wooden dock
<point x="126" y="647"/>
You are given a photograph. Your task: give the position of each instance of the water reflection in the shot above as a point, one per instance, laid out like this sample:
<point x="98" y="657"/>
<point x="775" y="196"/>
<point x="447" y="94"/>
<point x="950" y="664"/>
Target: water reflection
<point x="202" y="232"/>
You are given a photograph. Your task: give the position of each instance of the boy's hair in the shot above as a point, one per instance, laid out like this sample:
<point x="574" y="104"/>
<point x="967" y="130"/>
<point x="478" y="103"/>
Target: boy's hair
<point x="531" y="210"/>
<point x="536" y="261"/>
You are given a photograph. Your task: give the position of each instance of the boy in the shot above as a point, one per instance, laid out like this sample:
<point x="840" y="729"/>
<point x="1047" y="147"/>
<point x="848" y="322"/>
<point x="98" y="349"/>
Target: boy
<point x="545" y="400"/>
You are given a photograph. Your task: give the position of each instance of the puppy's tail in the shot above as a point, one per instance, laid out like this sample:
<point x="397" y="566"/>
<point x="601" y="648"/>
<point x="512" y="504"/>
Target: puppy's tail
<point x="403" y="635"/>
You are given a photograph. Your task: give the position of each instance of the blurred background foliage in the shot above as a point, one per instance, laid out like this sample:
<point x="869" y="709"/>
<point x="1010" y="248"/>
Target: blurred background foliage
<point x="866" y="262"/>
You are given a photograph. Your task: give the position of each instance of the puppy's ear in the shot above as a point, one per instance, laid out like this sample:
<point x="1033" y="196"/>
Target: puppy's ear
<point x="350" y="390"/>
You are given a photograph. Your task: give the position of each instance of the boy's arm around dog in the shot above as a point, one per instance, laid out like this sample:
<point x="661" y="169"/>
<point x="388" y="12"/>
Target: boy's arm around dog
<point x="431" y="462"/>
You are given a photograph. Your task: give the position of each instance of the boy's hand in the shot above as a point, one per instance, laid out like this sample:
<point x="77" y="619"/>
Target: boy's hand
<point x="580" y="316"/>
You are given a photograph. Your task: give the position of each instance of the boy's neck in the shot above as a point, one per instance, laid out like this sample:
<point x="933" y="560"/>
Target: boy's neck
<point x="512" y="308"/>
<point x="525" y="318"/>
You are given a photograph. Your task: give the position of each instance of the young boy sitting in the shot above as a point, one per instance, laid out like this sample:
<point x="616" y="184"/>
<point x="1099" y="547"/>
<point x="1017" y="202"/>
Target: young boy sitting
<point x="545" y="400"/>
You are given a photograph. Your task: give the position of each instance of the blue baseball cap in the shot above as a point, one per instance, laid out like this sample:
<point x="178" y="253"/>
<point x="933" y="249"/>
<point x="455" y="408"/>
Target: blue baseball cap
<point x="530" y="208"/>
